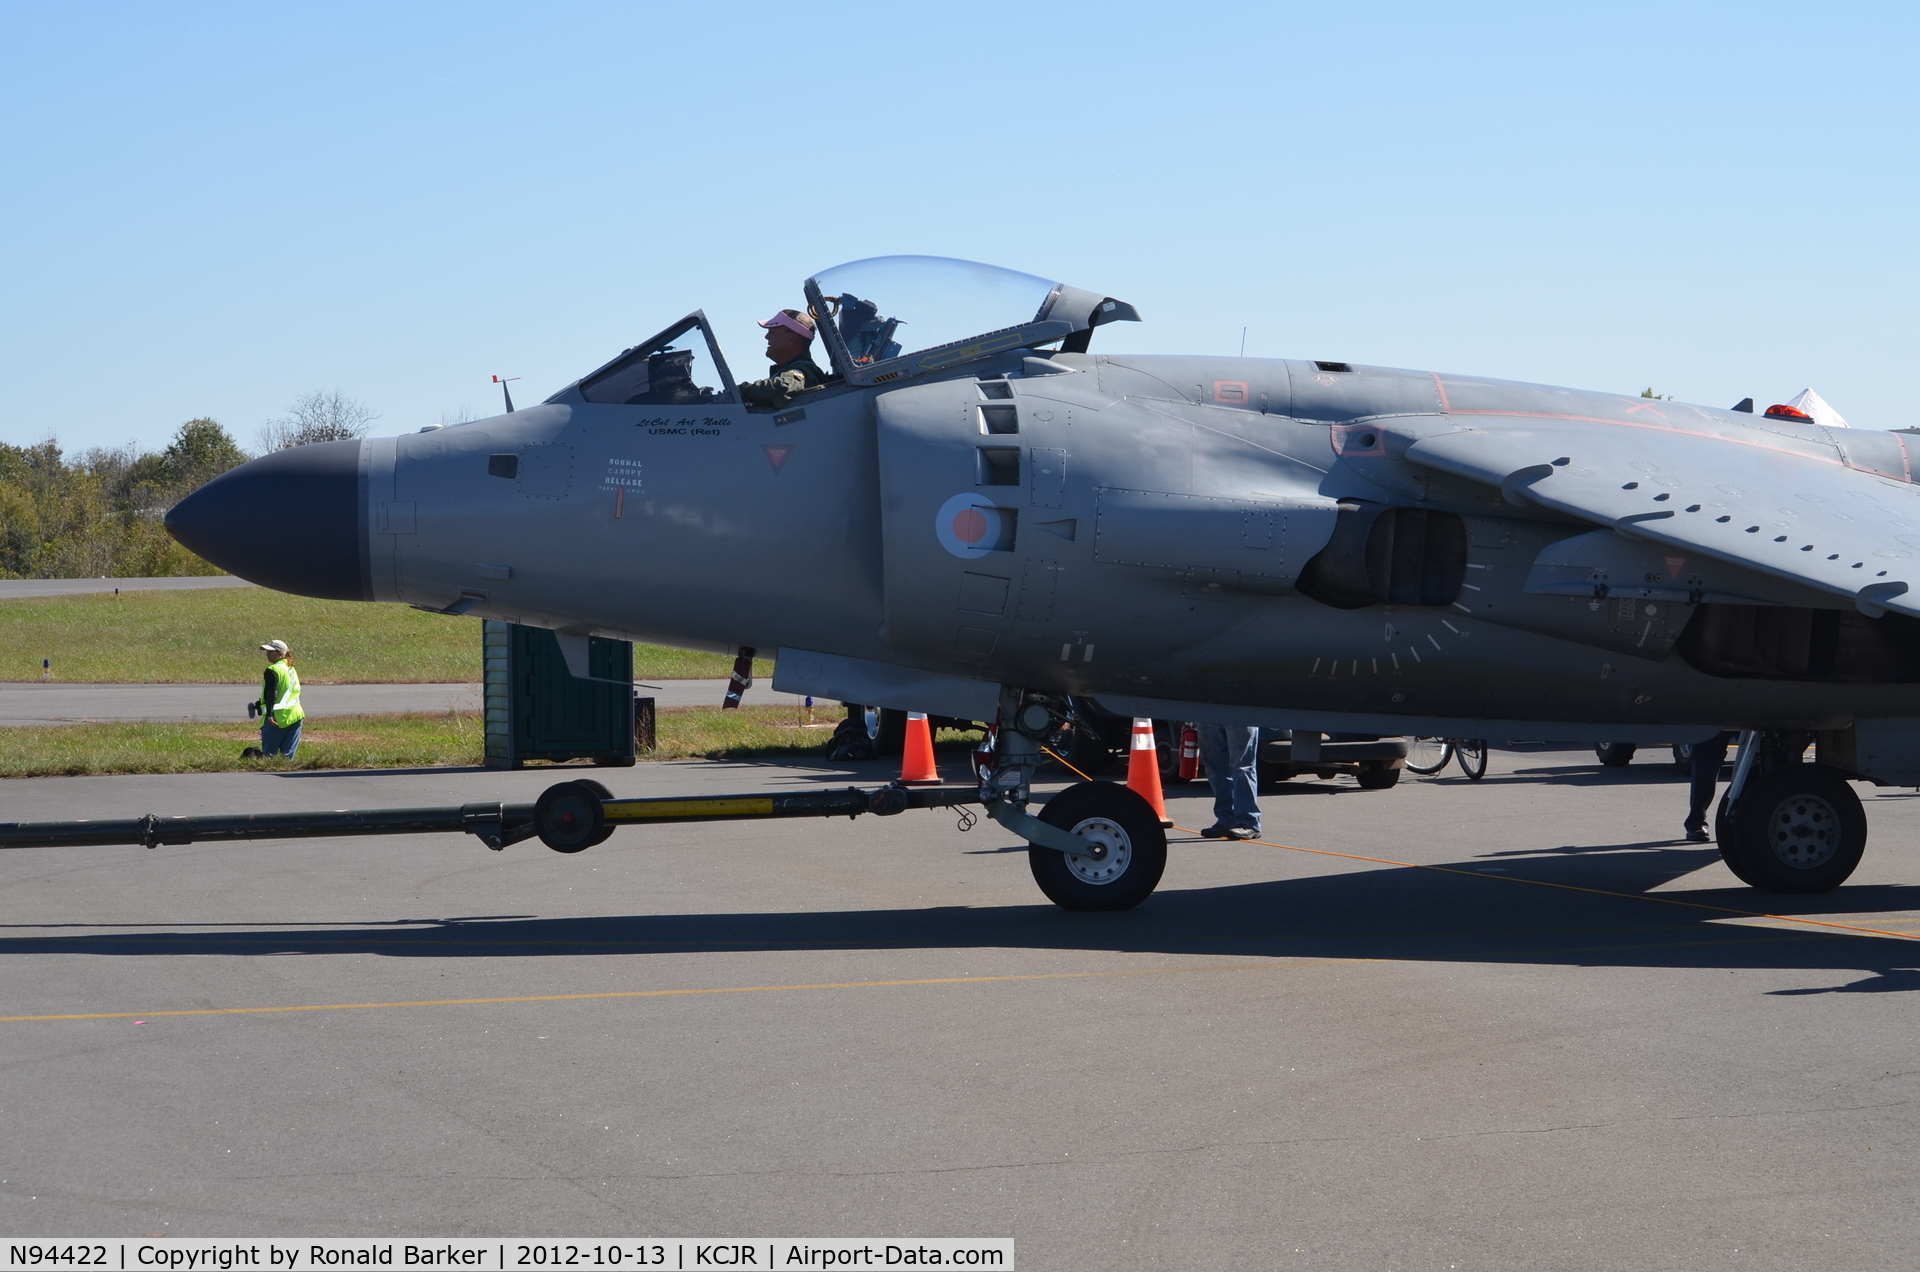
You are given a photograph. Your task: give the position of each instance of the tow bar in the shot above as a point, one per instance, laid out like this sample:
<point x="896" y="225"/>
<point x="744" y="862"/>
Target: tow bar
<point x="567" y="818"/>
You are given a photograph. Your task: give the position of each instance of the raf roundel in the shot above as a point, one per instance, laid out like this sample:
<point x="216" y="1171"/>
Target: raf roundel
<point x="969" y="526"/>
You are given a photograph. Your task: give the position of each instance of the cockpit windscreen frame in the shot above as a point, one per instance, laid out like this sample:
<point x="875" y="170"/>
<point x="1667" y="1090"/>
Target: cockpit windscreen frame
<point x="728" y="395"/>
<point x="829" y="329"/>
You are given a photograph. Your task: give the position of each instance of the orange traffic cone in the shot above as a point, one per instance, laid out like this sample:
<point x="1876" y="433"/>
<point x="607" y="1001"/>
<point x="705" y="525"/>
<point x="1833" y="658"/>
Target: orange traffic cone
<point x="1143" y="769"/>
<point x="916" y="761"/>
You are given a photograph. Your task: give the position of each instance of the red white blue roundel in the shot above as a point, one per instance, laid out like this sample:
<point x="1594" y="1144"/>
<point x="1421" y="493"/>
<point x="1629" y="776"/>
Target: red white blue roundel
<point x="969" y="526"/>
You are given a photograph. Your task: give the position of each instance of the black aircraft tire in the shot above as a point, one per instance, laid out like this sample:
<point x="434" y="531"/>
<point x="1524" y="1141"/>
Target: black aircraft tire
<point x="568" y="817"/>
<point x="1615" y="754"/>
<point x="1723" y="840"/>
<point x="1137" y="849"/>
<point x="1799" y="829"/>
<point x="1166" y="751"/>
<point x="887" y="728"/>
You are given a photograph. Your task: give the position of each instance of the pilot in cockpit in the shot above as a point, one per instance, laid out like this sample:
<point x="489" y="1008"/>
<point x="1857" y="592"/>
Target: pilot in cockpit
<point x="789" y="348"/>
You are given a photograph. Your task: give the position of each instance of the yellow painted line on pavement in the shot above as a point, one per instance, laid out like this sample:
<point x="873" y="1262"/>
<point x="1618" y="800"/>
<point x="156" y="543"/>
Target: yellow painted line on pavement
<point x="1274" y="965"/>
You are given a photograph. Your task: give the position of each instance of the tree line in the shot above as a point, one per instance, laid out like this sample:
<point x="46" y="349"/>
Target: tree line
<point x="98" y="512"/>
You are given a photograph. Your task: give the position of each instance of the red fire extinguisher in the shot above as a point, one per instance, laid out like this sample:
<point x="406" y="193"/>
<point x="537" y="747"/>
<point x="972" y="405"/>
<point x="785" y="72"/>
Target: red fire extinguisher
<point x="1189" y="752"/>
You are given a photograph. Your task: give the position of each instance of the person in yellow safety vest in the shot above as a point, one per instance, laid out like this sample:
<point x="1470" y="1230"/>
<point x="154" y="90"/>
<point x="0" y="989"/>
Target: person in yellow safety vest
<point x="280" y="709"/>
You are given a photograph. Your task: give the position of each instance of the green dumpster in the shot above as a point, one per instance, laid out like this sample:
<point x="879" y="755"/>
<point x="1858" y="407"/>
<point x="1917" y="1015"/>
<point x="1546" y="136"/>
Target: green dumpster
<point x="536" y="709"/>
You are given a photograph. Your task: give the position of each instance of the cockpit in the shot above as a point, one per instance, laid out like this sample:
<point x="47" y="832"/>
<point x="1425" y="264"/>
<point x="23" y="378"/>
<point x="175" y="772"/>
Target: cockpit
<point x="881" y="320"/>
<point x="663" y="371"/>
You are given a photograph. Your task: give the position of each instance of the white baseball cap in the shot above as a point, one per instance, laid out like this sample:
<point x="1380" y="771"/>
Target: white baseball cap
<point x="277" y="646"/>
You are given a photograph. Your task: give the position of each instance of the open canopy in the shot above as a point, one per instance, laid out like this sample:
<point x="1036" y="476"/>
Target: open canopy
<point x="892" y="316"/>
<point x="882" y="319"/>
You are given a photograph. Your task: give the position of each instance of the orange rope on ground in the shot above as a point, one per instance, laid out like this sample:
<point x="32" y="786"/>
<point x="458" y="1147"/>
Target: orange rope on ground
<point x="1063" y="760"/>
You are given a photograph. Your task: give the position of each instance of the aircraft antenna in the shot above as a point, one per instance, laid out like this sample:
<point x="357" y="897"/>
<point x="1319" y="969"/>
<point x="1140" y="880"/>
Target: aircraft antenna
<point x="1243" y="342"/>
<point x="505" y="392"/>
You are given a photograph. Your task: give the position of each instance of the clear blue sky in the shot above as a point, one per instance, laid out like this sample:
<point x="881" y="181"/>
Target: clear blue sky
<point x="210" y="209"/>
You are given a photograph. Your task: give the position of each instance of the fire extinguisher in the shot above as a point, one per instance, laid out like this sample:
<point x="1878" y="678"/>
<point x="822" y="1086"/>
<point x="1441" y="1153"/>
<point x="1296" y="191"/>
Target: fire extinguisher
<point x="1189" y="752"/>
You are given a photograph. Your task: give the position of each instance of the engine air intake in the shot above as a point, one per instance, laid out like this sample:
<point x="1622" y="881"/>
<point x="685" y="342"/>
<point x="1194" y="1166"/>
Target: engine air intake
<point x="1392" y="556"/>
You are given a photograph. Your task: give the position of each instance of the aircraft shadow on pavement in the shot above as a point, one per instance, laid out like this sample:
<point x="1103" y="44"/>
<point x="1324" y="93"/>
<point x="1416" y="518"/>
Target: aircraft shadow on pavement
<point x="1578" y="775"/>
<point x="1466" y="912"/>
<point x="433" y="771"/>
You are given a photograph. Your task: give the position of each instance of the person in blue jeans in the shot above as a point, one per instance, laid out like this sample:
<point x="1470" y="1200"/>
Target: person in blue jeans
<point x="1704" y="763"/>
<point x="1231" y="753"/>
<point x="280" y="709"/>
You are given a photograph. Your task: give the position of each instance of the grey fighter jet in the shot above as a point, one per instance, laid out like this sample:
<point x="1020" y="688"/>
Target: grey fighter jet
<point x="978" y="517"/>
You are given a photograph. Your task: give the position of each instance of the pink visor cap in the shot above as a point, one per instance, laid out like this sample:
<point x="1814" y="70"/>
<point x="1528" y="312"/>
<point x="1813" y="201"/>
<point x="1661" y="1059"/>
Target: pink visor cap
<point x="787" y="320"/>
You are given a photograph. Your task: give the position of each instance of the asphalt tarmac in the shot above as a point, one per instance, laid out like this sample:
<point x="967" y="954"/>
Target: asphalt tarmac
<point x="1565" y="1043"/>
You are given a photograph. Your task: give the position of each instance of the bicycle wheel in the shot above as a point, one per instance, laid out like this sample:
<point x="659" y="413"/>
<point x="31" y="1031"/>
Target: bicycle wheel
<point x="1427" y="756"/>
<point x="1473" y="757"/>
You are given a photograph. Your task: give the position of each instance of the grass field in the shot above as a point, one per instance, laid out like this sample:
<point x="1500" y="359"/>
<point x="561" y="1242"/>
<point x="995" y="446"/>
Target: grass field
<point x="212" y="636"/>
<point x="385" y="741"/>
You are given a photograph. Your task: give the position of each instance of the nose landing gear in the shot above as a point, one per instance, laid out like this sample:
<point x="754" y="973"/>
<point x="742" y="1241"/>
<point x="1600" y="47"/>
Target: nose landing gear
<point x="1095" y="845"/>
<point x="1130" y="849"/>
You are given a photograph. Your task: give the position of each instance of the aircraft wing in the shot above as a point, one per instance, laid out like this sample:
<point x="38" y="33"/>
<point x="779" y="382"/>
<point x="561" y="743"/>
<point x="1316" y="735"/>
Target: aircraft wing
<point x="1772" y="503"/>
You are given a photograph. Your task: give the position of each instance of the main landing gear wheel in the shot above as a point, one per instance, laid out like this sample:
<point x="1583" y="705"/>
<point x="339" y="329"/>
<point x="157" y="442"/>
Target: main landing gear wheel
<point x="1797" y="829"/>
<point x="1132" y="849"/>
<point x="568" y="817"/>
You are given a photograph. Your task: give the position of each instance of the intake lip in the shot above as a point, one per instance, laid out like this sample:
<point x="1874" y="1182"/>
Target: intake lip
<point x="292" y="521"/>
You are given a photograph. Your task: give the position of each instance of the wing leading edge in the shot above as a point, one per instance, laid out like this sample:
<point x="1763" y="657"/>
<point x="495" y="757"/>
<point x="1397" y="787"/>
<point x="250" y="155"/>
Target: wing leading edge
<point x="1812" y="519"/>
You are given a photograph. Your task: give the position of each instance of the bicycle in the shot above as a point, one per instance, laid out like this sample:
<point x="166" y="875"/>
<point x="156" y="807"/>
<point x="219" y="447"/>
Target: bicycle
<point x="1427" y="756"/>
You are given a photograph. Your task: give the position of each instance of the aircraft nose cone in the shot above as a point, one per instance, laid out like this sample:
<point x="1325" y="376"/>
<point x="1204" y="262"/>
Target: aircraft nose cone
<point x="290" y="521"/>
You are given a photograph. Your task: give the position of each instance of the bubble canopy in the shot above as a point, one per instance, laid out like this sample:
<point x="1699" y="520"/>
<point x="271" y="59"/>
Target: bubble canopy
<point x="889" y="316"/>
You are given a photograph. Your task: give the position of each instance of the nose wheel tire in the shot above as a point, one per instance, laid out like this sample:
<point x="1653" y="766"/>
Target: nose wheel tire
<point x="1130" y="849"/>
<point x="1799" y="829"/>
<point x="568" y="817"/>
